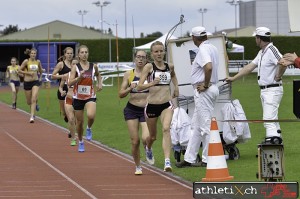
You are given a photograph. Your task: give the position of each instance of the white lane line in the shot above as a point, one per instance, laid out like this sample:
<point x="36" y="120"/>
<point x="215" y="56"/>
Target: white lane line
<point x="126" y="157"/>
<point x="118" y="154"/>
<point x="51" y="166"/>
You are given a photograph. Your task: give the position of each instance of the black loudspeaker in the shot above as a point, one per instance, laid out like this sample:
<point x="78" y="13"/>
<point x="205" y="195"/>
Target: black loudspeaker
<point x="296" y="98"/>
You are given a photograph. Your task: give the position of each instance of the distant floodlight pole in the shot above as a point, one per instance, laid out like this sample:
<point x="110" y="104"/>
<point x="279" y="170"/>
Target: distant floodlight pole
<point x="82" y="13"/>
<point x="125" y="20"/>
<point x="101" y="5"/>
<point x="235" y="3"/>
<point x="202" y="11"/>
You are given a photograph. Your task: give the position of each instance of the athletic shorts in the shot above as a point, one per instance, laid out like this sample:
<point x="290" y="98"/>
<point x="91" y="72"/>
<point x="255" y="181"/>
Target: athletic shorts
<point x="132" y="112"/>
<point x="79" y="104"/>
<point x="154" y="110"/>
<point x="28" y="85"/>
<point x="16" y="83"/>
<point x="65" y="88"/>
<point x="69" y="101"/>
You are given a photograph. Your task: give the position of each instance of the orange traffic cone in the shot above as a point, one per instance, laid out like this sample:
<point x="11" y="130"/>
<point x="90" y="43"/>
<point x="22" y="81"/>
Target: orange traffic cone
<point x="216" y="169"/>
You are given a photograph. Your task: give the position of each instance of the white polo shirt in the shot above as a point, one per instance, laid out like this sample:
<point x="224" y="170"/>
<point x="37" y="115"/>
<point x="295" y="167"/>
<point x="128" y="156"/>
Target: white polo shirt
<point x="206" y="53"/>
<point x="267" y="61"/>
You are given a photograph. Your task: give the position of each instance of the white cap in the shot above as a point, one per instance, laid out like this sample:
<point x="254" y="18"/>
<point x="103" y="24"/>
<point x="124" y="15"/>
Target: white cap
<point x="262" y="31"/>
<point x="198" y="31"/>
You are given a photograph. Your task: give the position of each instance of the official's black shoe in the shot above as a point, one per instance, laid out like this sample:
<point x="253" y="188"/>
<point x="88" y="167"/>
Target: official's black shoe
<point x="184" y="163"/>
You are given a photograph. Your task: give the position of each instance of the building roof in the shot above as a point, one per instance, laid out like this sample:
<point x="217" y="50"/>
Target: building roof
<point x="241" y="32"/>
<point x="56" y="30"/>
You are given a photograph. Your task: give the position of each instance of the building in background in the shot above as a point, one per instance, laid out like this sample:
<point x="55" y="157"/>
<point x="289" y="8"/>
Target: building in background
<point x="56" y="30"/>
<point x="269" y="13"/>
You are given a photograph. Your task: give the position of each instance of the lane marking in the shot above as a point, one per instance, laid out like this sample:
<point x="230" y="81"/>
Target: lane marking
<point x="122" y="155"/>
<point x="52" y="167"/>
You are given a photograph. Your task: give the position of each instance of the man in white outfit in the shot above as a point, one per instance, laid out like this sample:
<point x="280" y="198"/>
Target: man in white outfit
<point x="269" y="73"/>
<point x="204" y="78"/>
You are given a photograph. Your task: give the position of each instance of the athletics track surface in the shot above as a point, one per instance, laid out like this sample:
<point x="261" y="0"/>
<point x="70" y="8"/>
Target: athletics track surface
<point x="36" y="161"/>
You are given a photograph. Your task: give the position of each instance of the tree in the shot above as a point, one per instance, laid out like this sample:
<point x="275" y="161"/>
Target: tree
<point x="155" y="34"/>
<point x="10" y="29"/>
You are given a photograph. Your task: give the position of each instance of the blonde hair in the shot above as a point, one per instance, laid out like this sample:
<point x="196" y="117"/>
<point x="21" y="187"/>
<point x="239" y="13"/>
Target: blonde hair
<point x="63" y="57"/>
<point x="82" y="46"/>
<point x="157" y="43"/>
<point x="28" y="51"/>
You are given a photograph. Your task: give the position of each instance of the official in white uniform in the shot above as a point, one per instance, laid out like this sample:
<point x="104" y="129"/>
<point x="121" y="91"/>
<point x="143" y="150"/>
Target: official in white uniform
<point x="269" y="74"/>
<point x="204" y="77"/>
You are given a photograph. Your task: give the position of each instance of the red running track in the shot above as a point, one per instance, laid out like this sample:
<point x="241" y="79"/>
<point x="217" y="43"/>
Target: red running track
<point x="36" y="161"/>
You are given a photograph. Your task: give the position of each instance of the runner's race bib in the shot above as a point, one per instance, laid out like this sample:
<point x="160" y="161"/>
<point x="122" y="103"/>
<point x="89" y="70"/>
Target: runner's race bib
<point x="164" y="78"/>
<point x="33" y="67"/>
<point x="84" y="90"/>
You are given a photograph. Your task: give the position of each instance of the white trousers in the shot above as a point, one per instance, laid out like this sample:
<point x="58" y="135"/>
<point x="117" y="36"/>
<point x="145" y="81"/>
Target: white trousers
<point x="270" y="100"/>
<point x="204" y="107"/>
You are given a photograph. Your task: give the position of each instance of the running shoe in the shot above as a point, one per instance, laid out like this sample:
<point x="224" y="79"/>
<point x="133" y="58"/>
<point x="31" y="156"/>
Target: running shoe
<point x="66" y="119"/>
<point x="37" y="107"/>
<point x="14" y="105"/>
<point x="88" y="134"/>
<point x="31" y="120"/>
<point x="167" y="167"/>
<point x="80" y="147"/>
<point x="149" y="156"/>
<point x="138" y="170"/>
<point x="73" y="142"/>
<point x="69" y="135"/>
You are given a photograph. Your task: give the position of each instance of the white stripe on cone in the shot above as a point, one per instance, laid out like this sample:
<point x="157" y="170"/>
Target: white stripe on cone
<point x="216" y="162"/>
<point x="214" y="137"/>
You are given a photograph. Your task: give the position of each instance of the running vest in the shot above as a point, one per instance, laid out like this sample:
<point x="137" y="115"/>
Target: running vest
<point x="164" y="75"/>
<point x="32" y="66"/>
<point x="65" y="69"/>
<point x="13" y="69"/>
<point x="84" y="89"/>
<point x="135" y="80"/>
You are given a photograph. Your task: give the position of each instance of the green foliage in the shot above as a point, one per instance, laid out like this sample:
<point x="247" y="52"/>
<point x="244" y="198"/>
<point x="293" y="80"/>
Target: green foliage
<point x="99" y="49"/>
<point x="283" y="43"/>
<point x="155" y="34"/>
<point x="10" y="29"/>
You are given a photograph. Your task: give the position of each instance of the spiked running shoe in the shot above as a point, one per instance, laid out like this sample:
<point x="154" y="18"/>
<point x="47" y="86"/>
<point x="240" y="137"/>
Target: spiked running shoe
<point x="31" y="120"/>
<point x="80" y="147"/>
<point x="149" y="156"/>
<point x="66" y="119"/>
<point x="138" y="170"/>
<point x="167" y="167"/>
<point x="88" y="134"/>
<point x="37" y="107"/>
<point x="73" y="142"/>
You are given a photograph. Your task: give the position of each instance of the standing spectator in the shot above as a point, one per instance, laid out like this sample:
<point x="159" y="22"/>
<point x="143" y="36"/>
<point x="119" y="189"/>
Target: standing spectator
<point x="204" y="78"/>
<point x="14" y="79"/>
<point x="32" y="70"/>
<point x="159" y="76"/>
<point x="82" y="77"/>
<point x="134" y="110"/>
<point x="68" y="106"/>
<point x="269" y="74"/>
<point x="61" y="70"/>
